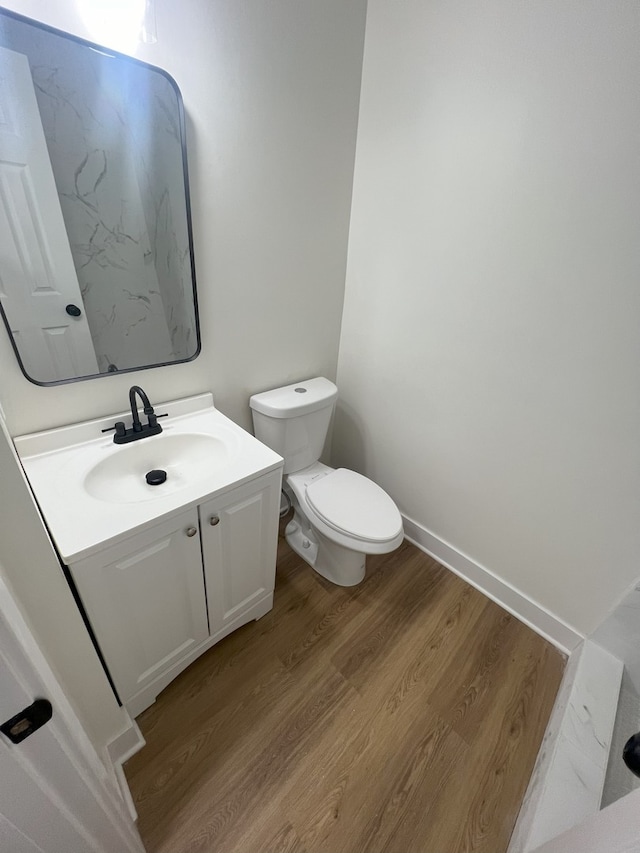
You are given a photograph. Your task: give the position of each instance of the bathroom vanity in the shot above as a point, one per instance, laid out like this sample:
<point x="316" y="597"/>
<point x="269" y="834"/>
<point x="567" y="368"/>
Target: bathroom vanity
<point x="163" y="571"/>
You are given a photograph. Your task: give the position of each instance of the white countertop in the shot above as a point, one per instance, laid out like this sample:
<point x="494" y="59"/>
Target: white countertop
<point x="58" y="463"/>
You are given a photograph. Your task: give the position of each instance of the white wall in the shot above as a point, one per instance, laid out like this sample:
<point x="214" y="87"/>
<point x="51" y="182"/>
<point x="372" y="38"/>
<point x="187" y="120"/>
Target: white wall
<point x="489" y="362"/>
<point x="271" y="94"/>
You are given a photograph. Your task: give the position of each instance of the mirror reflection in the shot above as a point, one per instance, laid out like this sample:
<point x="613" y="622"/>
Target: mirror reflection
<point x="96" y="262"/>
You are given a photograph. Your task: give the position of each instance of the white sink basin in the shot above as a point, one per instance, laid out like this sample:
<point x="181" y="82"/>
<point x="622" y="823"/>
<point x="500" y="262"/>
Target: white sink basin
<point x="92" y="491"/>
<point x="185" y="457"/>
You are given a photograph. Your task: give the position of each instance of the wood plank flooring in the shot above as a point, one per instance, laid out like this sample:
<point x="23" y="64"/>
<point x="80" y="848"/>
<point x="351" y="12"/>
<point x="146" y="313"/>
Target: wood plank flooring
<point x="400" y="716"/>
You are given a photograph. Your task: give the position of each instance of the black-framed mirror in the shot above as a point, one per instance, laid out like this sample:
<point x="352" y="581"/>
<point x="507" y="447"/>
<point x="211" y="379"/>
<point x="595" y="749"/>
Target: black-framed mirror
<point x="96" y="257"/>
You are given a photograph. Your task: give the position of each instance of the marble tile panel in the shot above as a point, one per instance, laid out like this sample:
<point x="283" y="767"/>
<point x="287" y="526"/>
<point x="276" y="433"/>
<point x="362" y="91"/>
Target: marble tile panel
<point x="572" y="793"/>
<point x="591" y="710"/>
<point x="535" y="789"/>
<point x="568" y="779"/>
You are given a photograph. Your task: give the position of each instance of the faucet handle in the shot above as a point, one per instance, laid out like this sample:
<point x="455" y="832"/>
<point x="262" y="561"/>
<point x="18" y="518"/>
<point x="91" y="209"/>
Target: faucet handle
<point x="153" y="418"/>
<point x="119" y="427"/>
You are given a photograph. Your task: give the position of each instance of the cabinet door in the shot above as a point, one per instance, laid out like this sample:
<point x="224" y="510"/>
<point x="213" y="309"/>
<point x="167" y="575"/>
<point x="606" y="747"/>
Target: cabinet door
<point x="146" y="602"/>
<point x="239" y="543"/>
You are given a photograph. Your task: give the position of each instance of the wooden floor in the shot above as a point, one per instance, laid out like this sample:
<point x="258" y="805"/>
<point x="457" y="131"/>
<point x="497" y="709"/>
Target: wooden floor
<point x="401" y="715"/>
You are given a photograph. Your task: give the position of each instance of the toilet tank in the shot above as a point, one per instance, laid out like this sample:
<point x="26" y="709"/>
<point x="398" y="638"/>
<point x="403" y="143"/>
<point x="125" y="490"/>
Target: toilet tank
<point x="294" y="420"/>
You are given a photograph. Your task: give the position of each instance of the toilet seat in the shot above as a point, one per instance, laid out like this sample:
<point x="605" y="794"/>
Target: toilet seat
<point x="352" y="504"/>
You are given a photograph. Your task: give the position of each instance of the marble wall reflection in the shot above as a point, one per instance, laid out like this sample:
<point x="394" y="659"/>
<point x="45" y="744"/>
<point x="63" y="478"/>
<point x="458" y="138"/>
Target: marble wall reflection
<point x="619" y="633"/>
<point x="113" y="136"/>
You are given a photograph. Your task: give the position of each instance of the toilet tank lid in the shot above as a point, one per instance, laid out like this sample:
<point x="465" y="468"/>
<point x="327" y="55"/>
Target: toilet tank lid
<point x="300" y="398"/>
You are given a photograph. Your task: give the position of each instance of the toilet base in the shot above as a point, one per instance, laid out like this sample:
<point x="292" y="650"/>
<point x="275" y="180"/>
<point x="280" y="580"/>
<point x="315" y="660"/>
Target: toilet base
<point x="302" y="541"/>
<point x="337" y="564"/>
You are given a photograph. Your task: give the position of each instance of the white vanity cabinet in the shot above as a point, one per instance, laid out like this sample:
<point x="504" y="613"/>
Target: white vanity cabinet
<point x="163" y="570"/>
<point x="159" y="599"/>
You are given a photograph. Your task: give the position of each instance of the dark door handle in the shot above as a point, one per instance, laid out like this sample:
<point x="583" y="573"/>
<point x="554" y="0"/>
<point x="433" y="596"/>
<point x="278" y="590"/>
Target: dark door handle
<point x="27" y="721"/>
<point x="73" y="310"/>
<point x="631" y="754"/>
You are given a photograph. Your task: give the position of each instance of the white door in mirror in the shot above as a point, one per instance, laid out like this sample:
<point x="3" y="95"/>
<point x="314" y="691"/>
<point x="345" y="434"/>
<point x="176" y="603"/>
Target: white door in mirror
<point x="39" y="278"/>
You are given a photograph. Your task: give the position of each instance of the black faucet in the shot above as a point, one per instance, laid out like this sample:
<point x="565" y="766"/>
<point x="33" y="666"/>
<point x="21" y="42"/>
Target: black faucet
<point x="148" y="409"/>
<point x="138" y="430"/>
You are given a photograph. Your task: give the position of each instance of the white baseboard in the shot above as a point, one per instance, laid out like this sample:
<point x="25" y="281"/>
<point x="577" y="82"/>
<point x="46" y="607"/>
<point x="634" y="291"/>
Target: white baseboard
<point x="121" y="749"/>
<point x="561" y="635"/>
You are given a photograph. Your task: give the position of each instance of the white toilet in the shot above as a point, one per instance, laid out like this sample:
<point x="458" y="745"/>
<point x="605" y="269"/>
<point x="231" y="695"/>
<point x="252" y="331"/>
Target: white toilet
<point x="339" y="516"/>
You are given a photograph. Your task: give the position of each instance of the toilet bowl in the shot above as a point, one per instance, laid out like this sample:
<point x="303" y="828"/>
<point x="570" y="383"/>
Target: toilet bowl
<point x="339" y="515"/>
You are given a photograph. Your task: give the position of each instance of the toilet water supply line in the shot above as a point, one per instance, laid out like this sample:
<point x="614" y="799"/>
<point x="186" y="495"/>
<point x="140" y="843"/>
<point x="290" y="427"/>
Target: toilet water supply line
<point x="286" y="509"/>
